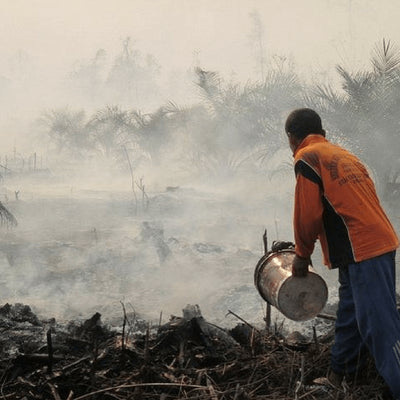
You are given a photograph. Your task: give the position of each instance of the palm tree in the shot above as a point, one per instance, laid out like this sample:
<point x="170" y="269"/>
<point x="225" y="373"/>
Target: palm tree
<point x="247" y="120"/>
<point x="364" y="114"/>
<point x="67" y="129"/>
<point x="110" y="128"/>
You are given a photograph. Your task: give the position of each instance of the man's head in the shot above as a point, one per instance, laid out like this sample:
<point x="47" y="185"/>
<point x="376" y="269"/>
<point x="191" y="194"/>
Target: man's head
<point x="301" y="123"/>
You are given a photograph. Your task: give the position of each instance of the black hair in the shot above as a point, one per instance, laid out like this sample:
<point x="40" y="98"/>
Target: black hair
<point x="302" y="122"/>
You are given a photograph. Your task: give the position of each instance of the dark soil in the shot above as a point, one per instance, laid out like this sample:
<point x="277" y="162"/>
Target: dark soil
<point x="186" y="358"/>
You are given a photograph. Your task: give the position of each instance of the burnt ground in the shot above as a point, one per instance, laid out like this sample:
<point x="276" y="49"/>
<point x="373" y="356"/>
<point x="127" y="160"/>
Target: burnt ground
<point x="185" y="358"/>
<point x="81" y="258"/>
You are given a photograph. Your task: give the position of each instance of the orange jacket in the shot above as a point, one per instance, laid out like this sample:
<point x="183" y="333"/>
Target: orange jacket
<point x="336" y="202"/>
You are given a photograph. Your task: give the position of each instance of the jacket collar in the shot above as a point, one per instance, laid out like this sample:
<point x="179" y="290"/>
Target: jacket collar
<point x="310" y="139"/>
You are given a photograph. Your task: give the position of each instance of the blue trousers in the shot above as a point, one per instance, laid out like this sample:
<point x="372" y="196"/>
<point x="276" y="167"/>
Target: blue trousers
<point x="368" y="320"/>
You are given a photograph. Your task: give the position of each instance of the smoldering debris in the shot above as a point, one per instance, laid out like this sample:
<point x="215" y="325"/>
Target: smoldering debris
<point x="185" y="358"/>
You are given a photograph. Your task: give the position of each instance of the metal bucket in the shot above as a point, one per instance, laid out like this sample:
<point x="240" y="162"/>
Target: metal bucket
<point x="299" y="299"/>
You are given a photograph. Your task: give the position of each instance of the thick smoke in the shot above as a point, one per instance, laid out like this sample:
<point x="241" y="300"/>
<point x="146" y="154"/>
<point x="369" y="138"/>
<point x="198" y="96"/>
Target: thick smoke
<point x="159" y="203"/>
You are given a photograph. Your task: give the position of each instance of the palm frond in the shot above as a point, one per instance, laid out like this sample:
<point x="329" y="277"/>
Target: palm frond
<point x="111" y="115"/>
<point x="171" y="108"/>
<point x="209" y="82"/>
<point x="326" y="94"/>
<point x="386" y="58"/>
<point x="139" y="119"/>
<point x="358" y="85"/>
<point x="6" y="218"/>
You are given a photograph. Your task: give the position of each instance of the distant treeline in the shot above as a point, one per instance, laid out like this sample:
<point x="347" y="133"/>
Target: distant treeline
<point x="234" y="126"/>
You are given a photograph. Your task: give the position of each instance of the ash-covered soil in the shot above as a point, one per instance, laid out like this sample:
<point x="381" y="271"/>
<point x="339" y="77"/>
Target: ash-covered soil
<point x="184" y="358"/>
<point x="105" y="278"/>
<point x="81" y="251"/>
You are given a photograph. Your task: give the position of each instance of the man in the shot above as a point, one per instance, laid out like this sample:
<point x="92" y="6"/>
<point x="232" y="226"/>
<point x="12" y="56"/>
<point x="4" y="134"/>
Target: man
<point x="336" y="202"/>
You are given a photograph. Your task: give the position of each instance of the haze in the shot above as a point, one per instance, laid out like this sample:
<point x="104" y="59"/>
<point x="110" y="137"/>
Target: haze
<point x="143" y="152"/>
<point x="43" y="40"/>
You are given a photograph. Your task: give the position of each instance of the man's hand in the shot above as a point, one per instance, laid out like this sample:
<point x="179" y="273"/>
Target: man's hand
<point x="300" y="266"/>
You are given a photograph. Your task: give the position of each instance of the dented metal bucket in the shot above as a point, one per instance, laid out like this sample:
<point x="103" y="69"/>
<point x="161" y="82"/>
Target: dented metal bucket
<point x="299" y="299"/>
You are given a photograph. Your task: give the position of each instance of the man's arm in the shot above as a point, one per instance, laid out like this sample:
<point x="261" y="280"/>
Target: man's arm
<point x="307" y="222"/>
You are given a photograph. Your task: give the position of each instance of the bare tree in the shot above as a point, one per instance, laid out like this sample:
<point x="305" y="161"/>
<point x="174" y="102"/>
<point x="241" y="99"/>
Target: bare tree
<point x="257" y="39"/>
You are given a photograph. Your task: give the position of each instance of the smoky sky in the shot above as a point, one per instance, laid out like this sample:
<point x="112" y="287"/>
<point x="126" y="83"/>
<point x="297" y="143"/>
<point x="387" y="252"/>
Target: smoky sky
<point x="317" y="33"/>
